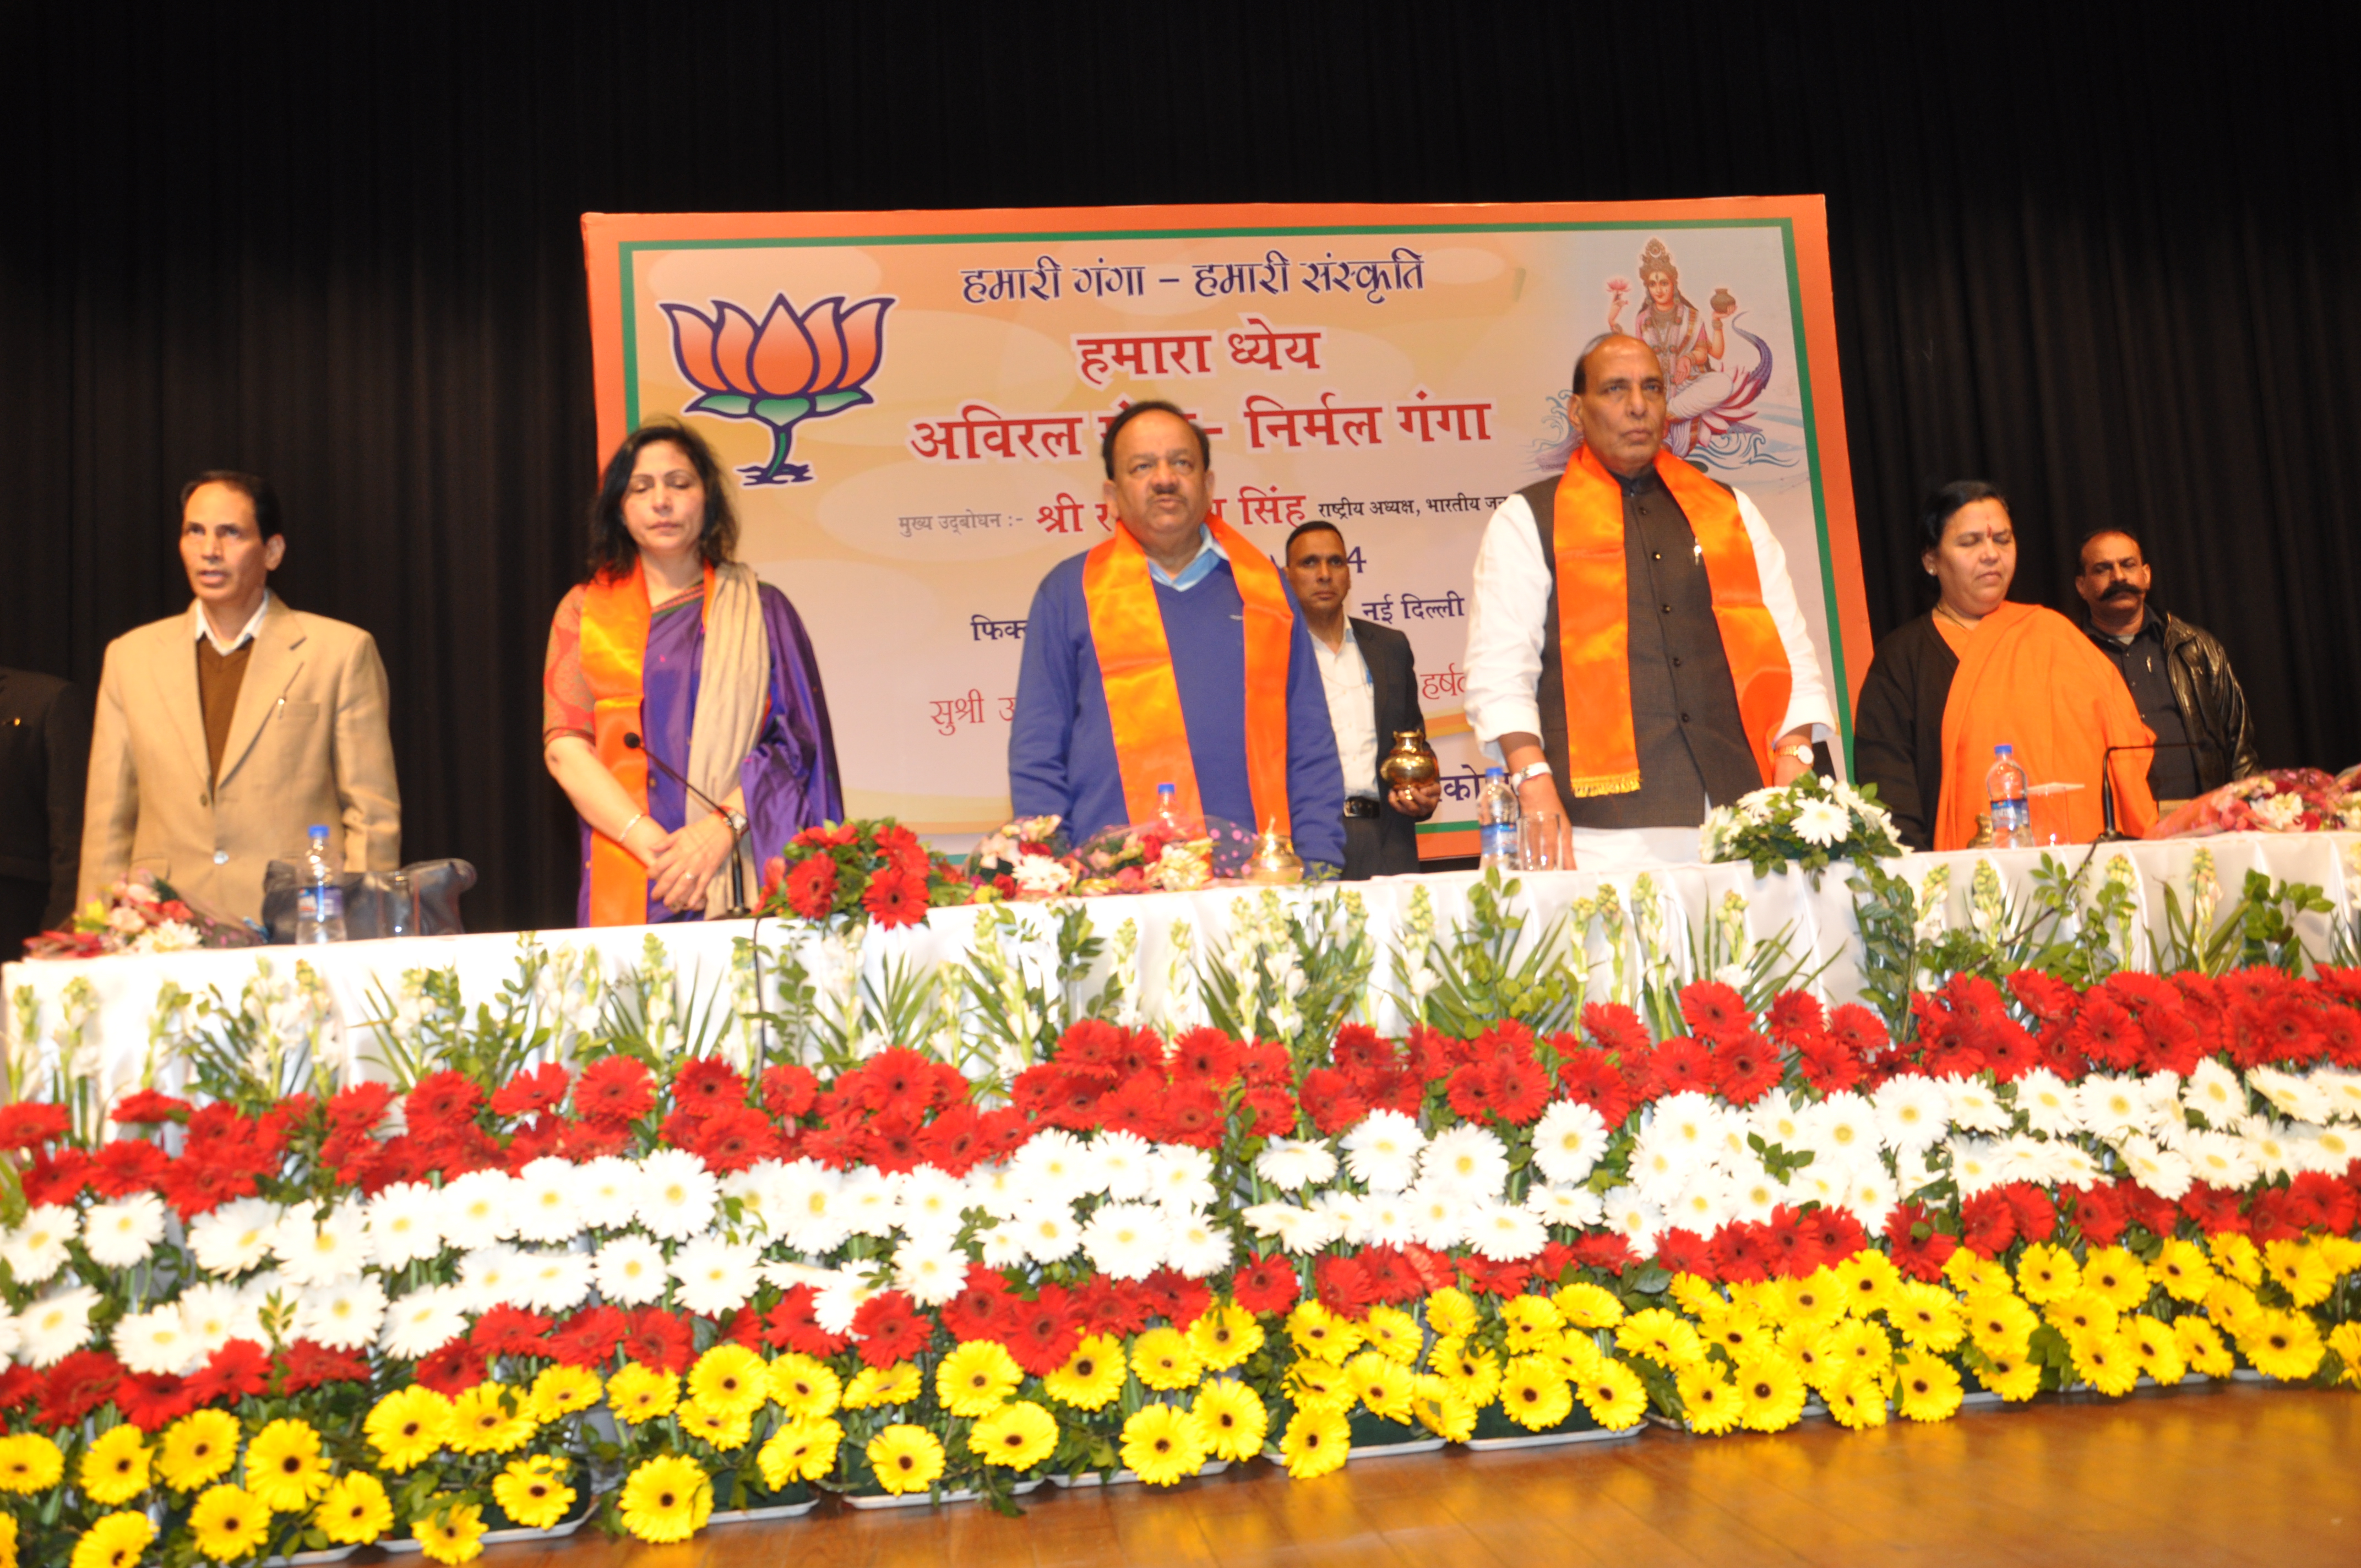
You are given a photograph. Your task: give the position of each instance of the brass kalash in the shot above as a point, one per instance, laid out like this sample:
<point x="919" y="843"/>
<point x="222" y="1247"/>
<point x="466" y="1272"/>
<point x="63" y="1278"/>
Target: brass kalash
<point x="1412" y="761"/>
<point x="1275" y="861"/>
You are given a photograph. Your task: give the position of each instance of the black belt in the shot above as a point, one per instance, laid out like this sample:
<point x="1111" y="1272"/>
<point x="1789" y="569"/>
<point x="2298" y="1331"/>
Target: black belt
<point x="1360" y="805"/>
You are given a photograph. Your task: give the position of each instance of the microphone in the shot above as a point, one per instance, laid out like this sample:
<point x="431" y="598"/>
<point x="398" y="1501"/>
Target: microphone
<point x="2108" y="833"/>
<point x="737" y="910"/>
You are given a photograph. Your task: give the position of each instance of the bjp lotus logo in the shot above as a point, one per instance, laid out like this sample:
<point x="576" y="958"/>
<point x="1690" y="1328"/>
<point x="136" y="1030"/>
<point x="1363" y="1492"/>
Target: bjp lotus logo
<point x="783" y="370"/>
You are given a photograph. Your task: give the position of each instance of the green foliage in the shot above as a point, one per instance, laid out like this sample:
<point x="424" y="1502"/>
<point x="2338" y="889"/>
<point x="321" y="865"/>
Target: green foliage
<point x="1491" y="966"/>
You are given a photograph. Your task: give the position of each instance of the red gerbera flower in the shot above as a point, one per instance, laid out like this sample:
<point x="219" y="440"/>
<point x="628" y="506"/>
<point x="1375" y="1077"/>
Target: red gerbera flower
<point x="1391" y="1278"/>
<point x="1210" y="1055"/>
<point x="707" y="1083"/>
<point x="1520" y="1088"/>
<point x="148" y="1400"/>
<point x="1343" y="1286"/>
<point x="1266" y="1285"/>
<point x="440" y="1099"/>
<point x="454" y="1369"/>
<point x="1987" y="1225"/>
<point x="811" y="887"/>
<point x="1917" y="1248"/>
<point x="1505" y="1280"/>
<point x="588" y="1337"/>
<point x="1859" y="1032"/>
<point x="310" y="1364"/>
<point x="2037" y="1215"/>
<point x="238" y="1369"/>
<point x="1713" y="1010"/>
<point x="788" y="1090"/>
<point x="1746" y="1068"/>
<point x="359" y="1108"/>
<point x="1682" y="1064"/>
<point x="1794" y="1014"/>
<point x="659" y="1339"/>
<point x="30" y="1122"/>
<point x="129" y="1165"/>
<point x="889" y="1329"/>
<point x="1614" y="1027"/>
<point x="1044" y="1335"/>
<point x="1328" y="1096"/>
<point x="56" y="1178"/>
<point x="1589" y="1075"/>
<point x="512" y="1330"/>
<point x="1603" y="1249"/>
<point x="537" y="1088"/>
<point x="76" y="1386"/>
<point x="896" y="898"/>
<point x="2098" y="1213"/>
<point x="147" y="1106"/>
<point x="1191" y="1114"/>
<point x="733" y="1138"/>
<point x="1682" y="1251"/>
<point x="2107" y="1034"/>
<point x="614" y="1089"/>
<point x="2045" y="998"/>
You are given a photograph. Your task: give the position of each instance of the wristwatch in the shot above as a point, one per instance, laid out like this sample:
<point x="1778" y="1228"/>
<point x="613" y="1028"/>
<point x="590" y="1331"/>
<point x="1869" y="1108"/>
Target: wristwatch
<point x="737" y="821"/>
<point x="1801" y="751"/>
<point x="1530" y="771"/>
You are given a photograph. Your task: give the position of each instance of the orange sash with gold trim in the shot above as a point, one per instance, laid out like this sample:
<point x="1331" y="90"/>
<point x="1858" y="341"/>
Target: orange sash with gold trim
<point x="615" y="615"/>
<point x="1594" y="636"/>
<point x="1143" y="695"/>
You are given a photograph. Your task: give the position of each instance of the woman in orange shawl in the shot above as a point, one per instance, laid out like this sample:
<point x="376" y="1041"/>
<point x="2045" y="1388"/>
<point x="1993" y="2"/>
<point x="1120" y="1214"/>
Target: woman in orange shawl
<point x="1980" y="672"/>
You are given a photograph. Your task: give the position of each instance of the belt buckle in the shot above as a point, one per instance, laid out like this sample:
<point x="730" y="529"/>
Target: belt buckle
<point x="1359" y="805"/>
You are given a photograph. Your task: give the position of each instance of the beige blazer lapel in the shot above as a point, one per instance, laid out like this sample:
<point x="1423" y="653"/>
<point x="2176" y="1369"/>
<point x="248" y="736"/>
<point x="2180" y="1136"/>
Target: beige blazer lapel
<point x="276" y="662"/>
<point x="175" y="672"/>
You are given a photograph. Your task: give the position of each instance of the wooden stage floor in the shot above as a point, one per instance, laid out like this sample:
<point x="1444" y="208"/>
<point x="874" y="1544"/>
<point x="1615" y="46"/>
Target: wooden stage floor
<point x="2228" y="1474"/>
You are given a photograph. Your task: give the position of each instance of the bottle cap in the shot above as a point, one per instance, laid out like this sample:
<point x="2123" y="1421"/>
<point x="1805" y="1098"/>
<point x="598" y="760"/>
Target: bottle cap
<point x="2004" y="750"/>
<point x="1496" y="773"/>
<point x="319" y="832"/>
<point x="1164" y="789"/>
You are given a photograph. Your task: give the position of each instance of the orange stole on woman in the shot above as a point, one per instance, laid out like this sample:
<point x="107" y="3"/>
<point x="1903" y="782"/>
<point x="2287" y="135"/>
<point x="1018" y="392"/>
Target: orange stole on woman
<point x="2028" y="678"/>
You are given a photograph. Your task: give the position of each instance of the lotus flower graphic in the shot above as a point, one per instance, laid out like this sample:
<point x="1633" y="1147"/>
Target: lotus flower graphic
<point x="783" y="370"/>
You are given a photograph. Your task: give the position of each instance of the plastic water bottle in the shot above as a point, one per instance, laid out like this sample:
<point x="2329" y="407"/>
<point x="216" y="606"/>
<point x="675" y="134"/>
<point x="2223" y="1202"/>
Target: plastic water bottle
<point x="1167" y="821"/>
<point x="2012" y="813"/>
<point x="319" y="905"/>
<point x="1496" y="821"/>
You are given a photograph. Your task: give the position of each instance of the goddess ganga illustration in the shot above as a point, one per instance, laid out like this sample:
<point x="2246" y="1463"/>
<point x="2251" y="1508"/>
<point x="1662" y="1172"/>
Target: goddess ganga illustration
<point x="1708" y="389"/>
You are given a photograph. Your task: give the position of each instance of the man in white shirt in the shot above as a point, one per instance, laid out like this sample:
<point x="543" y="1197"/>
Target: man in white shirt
<point x="1635" y="652"/>
<point x="1372" y="686"/>
<point x="224" y="733"/>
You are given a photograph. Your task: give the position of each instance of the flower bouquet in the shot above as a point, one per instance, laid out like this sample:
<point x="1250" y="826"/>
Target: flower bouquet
<point x="859" y="870"/>
<point x="142" y="915"/>
<point x="2284" y="800"/>
<point x="1029" y="858"/>
<point x="1808" y="822"/>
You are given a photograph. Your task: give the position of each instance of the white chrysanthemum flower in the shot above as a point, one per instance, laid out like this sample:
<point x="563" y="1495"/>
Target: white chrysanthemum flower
<point x="2221" y="1159"/>
<point x="38" y="1248"/>
<point x="492" y="1277"/>
<point x="314" y="1250"/>
<point x="1295" y="1229"/>
<point x="675" y="1195"/>
<point x="1632" y="1217"/>
<point x="405" y="1224"/>
<point x="2344" y="1092"/>
<point x="1001" y="1247"/>
<point x="1914" y="1111"/>
<point x="1568" y="1140"/>
<point x="234" y="1237"/>
<point x="994" y="1188"/>
<point x="122" y="1233"/>
<point x="1821" y="822"/>
<point x="1776" y="1119"/>
<point x="2162" y="1171"/>
<point x="809" y="1213"/>
<point x="555" y="1281"/>
<point x="423" y="1322"/>
<point x="1381" y="1151"/>
<point x="479" y="1209"/>
<point x="1126" y="1240"/>
<point x="344" y="1314"/>
<point x="931" y="1205"/>
<point x="1181" y="1177"/>
<point x="1503" y="1234"/>
<point x="548" y="1208"/>
<point x="1976" y="1165"/>
<point x="2051" y="1106"/>
<point x="843" y="1294"/>
<point x="1120" y="1162"/>
<point x="1053" y="1166"/>
<point x="1466" y="1158"/>
<point x="2114" y="1105"/>
<point x="1048" y="1231"/>
<point x="869" y="1200"/>
<point x="630" y="1271"/>
<point x="930" y="1268"/>
<point x="1752" y="1194"/>
<point x="1438" y="1216"/>
<point x="1196" y="1246"/>
<point x="1296" y="1163"/>
<point x="2213" y="1091"/>
<point x="718" y="1276"/>
<point x="606" y="1192"/>
<point x="1975" y="1107"/>
<point x="1576" y="1207"/>
<point x="158" y="1342"/>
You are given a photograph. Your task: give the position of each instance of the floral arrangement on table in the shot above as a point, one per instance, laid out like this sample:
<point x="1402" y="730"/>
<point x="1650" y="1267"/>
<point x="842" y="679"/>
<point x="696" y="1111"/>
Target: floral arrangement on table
<point x="1030" y="859"/>
<point x="1809" y="823"/>
<point x="141" y="913"/>
<point x="2282" y="800"/>
<point x="307" y="1313"/>
<point x="845" y="873"/>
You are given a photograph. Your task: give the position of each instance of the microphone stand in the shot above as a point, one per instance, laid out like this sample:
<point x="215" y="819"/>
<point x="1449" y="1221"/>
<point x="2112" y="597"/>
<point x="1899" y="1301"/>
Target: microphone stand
<point x="737" y="910"/>
<point x="2108" y="833"/>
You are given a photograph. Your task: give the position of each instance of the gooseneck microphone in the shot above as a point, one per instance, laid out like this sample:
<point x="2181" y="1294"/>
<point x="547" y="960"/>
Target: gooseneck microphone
<point x="2108" y="833"/>
<point x="737" y="910"/>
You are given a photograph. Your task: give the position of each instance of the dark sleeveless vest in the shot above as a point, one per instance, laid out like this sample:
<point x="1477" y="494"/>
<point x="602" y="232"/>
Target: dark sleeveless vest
<point x="1692" y="743"/>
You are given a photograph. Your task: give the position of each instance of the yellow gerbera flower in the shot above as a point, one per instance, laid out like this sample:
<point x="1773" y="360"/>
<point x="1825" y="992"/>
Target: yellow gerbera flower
<point x="2237" y="1256"/>
<point x="1696" y="1296"/>
<point x="730" y="1377"/>
<point x="1710" y="1402"/>
<point x="1868" y="1278"/>
<point x="284" y="1467"/>
<point x="1859" y="1403"/>
<point x="407" y="1427"/>
<point x="2000" y="1324"/>
<point x="1441" y="1408"/>
<point x="2153" y="1346"/>
<point x="31" y="1462"/>
<point x="450" y="1532"/>
<point x="1393" y="1333"/>
<point x="2104" y="1359"/>
<point x="669" y="1498"/>
<point x="1576" y="1354"/>
<point x="7" y="1541"/>
<point x="1663" y="1337"/>
<point x="977" y="1377"/>
<point x="1234" y="1418"/>
<point x="1805" y="1346"/>
<point x="2046" y="1274"/>
<point x="2232" y="1305"/>
<point x="1163" y="1445"/>
<point x="2342" y="1252"/>
<point x="1767" y="1298"/>
<point x="1530" y="1319"/>
<point x="1925" y="1316"/>
<point x="1740" y="1333"/>
<point x="114" y="1540"/>
<point x="1582" y="1304"/>
<point x="2012" y="1375"/>
<point x="113" y="1469"/>
<point x="2201" y="1347"/>
<point x="1317" y="1331"/>
<point x="1451" y="1311"/>
<point x="802" y="1386"/>
<point x="876" y="1388"/>
<point x="1317" y="1439"/>
<point x="802" y="1449"/>
<point x="228" y="1523"/>
<point x="1092" y="1377"/>
<point x="1310" y="1382"/>
<point x="1614" y="1396"/>
<point x="1770" y="1393"/>
<point x="1973" y="1273"/>
<point x="1930" y="1388"/>
<point x="1162" y="1358"/>
<point x="1382" y="1385"/>
<point x="640" y="1393"/>
<point x="2082" y="1312"/>
<point x="532" y="1490"/>
<point x="2302" y="1269"/>
<point x="2116" y="1273"/>
<point x="905" y="1458"/>
<point x="2182" y="1270"/>
<point x="354" y="1510"/>
<point x="1224" y="1336"/>
<point x="490" y="1418"/>
<point x="2344" y="1338"/>
<point x="1814" y="1301"/>
<point x="1016" y="1436"/>
<point x="1476" y="1372"/>
<point x="1533" y="1393"/>
<point x="2286" y="1345"/>
<point x="724" y="1429"/>
<point x="562" y="1390"/>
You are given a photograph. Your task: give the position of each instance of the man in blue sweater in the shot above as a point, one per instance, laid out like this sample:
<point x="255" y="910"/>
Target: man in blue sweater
<point x="1174" y="653"/>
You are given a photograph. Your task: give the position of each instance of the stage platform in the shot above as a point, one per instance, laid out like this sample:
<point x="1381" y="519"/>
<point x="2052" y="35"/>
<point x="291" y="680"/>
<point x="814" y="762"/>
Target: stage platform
<point x="2230" y="1475"/>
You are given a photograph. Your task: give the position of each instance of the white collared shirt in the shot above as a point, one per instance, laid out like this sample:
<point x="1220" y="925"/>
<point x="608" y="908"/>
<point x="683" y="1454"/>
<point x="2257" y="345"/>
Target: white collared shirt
<point x="1209" y="550"/>
<point x="202" y="628"/>
<point x="1352" y="710"/>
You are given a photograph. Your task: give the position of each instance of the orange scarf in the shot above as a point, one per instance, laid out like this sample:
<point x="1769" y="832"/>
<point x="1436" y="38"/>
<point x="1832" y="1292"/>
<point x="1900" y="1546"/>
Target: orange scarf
<point x="1143" y="695"/>
<point x="1594" y="636"/>
<point x="615" y="615"/>
<point x="2028" y="678"/>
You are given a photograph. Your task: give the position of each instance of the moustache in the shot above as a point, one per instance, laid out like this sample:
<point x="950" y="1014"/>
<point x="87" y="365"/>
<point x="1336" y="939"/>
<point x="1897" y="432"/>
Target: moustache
<point x="2122" y="591"/>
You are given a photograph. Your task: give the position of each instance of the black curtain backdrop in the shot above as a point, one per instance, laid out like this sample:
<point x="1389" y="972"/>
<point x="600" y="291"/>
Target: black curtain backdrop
<point x="2094" y="257"/>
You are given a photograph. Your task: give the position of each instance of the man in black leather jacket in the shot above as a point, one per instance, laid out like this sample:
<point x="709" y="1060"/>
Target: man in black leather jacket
<point x="2179" y="673"/>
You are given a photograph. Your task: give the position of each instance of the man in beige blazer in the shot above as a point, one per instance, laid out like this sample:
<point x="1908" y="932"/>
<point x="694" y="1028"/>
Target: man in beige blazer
<point x="224" y="734"/>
